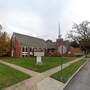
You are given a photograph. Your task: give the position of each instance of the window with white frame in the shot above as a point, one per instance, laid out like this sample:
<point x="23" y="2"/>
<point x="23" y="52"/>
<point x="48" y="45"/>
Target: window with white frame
<point x="31" y="51"/>
<point x="24" y="51"/>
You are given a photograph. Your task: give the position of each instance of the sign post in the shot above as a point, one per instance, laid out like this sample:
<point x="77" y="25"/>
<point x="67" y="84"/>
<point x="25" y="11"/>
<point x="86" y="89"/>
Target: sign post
<point x="62" y="51"/>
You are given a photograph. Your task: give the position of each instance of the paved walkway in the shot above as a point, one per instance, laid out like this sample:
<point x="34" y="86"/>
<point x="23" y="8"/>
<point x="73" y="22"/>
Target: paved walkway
<point x="49" y="84"/>
<point x="82" y="80"/>
<point x="38" y="81"/>
<point x="56" y="69"/>
<point x="29" y="72"/>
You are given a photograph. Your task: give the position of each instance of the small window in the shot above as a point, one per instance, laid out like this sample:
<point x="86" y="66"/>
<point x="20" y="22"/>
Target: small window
<point x="30" y="49"/>
<point x="26" y="49"/>
<point x="22" y="49"/>
<point x="42" y="50"/>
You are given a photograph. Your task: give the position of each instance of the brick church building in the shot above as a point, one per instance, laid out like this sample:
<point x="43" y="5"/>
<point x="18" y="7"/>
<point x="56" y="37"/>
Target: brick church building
<point x="52" y="47"/>
<point x="25" y="46"/>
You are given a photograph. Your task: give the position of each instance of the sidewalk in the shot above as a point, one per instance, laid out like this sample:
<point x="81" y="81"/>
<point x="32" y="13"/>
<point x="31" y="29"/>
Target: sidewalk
<point x="38" y="80"/>
<point x="29" y="72"/>
<point x="56" y="69"/>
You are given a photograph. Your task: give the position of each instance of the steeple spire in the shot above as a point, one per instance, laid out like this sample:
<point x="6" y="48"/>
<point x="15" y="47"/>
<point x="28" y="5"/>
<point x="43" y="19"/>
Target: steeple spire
<point x="59" y="35"/>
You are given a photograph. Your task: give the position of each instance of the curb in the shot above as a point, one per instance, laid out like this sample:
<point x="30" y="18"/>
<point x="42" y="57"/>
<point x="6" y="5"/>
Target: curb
<point x="65" y="85"/>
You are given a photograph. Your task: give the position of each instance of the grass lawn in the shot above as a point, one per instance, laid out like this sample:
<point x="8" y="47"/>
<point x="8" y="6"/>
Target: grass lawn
<point x="30" y="63"/>
<point x="10" y="76"/>
<point x="68" y="71"/>
<point x="88" y="56"/>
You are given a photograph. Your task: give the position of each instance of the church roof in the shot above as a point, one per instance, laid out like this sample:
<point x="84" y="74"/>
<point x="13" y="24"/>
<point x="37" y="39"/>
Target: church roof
<point x="29" y="41"/>
<point x="33" y="42"/>
<point x="51" y="45"/>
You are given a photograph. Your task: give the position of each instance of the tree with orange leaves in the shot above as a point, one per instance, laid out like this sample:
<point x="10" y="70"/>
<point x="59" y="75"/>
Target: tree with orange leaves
<point x="4" y="43"/>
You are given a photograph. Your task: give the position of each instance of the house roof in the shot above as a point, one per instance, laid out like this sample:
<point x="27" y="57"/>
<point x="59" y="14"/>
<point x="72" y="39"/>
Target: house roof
<point x="29" y="41"/>
<point x="51" y="45"/>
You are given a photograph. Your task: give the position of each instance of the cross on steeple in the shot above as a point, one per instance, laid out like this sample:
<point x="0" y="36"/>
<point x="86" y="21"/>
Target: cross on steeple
<point x="59" y="35"/>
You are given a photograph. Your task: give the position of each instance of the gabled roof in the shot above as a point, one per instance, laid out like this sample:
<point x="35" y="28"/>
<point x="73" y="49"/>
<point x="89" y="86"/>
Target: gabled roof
<point x="29" y="41"/>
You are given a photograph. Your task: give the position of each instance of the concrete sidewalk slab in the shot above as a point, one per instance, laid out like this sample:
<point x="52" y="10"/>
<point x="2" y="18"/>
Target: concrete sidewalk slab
<point x="49" y="84"/>
<point x="29" y="84"/>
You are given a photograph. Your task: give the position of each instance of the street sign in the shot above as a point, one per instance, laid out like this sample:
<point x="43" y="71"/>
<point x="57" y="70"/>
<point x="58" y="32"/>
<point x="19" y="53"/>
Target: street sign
<point x="62" y="49"/>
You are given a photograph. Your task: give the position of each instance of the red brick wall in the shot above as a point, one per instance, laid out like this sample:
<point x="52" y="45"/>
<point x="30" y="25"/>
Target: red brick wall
<point x="28" y="52"/>
<point x="18" y="49"/>
<point x="51" y="53"/>
<point x="45" y="52"/>
<point x="75" y="50"/>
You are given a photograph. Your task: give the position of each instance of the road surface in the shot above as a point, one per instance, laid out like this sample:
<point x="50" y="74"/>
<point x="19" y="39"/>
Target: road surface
<point x="82" y="80"/>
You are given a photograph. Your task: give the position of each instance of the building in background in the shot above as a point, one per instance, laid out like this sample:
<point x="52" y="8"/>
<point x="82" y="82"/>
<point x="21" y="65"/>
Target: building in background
<point x="52" y="47"/>
<point x="25" y="46"/>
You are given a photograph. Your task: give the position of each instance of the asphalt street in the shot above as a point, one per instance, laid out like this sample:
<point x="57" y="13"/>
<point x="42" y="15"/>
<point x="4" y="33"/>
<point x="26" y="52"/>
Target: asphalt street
<point x="82" y="80"/>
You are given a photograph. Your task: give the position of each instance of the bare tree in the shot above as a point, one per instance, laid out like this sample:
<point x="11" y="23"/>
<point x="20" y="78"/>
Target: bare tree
<point x="80" y="34"/>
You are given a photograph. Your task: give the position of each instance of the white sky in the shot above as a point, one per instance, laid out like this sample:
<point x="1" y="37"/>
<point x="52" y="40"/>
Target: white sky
<point x="40" y="18"/>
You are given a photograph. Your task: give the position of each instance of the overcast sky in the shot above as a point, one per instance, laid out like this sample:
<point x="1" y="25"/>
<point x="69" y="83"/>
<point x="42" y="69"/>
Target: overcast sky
<point x="40" y="18"/>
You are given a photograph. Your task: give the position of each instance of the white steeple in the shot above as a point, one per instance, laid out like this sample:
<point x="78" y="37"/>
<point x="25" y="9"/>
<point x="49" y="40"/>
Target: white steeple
<point x="59" y="35"/>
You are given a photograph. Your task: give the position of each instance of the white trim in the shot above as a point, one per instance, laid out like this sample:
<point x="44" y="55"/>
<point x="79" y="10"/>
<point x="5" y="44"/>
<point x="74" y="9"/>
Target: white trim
<point x="24" y="53"/>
